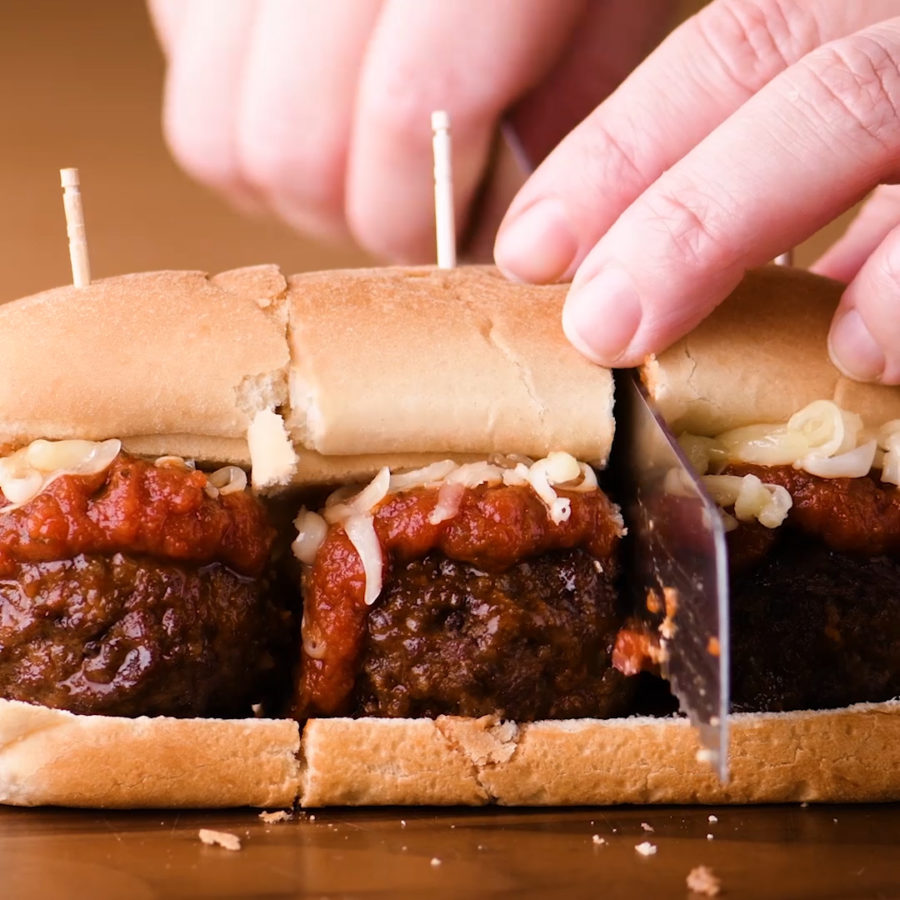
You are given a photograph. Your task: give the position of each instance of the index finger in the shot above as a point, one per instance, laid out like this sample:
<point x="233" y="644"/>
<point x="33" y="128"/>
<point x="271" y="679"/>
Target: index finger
<point x="468" y="57"/>
<point x="809" y="145"/>
<point x="701" y="74"/>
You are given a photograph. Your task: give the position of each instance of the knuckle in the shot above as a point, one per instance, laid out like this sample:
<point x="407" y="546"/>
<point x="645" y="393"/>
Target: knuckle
<point x="688" y="222"/>
<point x="890" y="260"/>
<point x="856" y="88"/>
<point x="610" y="157"/>
<point x="309" y="171"/>
<point x="399" y="103"/>
<point x="199" y="153"/>
<point x="752" y="40"/>
<point x="404" y="116"/>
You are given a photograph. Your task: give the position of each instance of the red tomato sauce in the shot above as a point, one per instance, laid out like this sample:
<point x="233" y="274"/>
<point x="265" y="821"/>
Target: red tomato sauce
<point x="136" y="507"/>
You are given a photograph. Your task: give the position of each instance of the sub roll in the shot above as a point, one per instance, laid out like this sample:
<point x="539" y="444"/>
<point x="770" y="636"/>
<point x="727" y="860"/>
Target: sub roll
<point x="804" y="464"/>
<point x="338" y="538"/>
<point x="484" y="537"/>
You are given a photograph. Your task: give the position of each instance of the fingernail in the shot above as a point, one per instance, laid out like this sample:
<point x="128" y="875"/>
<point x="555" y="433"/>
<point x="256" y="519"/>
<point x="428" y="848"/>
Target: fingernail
<point x="853" y="349"/>
<point x="538" y="245"/>
<point x="601" y="317"/>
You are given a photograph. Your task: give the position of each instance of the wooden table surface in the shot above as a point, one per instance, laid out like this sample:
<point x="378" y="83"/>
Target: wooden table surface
<point x="784" y="852"/>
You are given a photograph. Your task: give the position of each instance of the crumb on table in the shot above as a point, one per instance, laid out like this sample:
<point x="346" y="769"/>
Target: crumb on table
<point x="702" y="880"/>
<point x="220" y="838"/>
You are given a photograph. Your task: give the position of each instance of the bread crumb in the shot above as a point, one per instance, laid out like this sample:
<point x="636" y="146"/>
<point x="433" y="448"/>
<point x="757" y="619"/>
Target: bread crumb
<point x="646" y="848"/>
<point x="599" y="841"/>
<point x="702" y="880"/>
<point x="312" y="818"/>
<point x="221" y="838"/>
<point x="270" y="818"/>
<point x="709" y="837"/>
<point x="647" y="827"/>
<point x="403" y="823"/>
<point x="713" y="819"/>
<point x="435" y="861"/>
<point x="804" y="804"/>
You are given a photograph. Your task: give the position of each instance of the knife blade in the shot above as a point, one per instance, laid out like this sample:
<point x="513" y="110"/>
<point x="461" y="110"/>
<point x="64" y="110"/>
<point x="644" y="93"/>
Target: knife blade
<point x="677" y="542"/>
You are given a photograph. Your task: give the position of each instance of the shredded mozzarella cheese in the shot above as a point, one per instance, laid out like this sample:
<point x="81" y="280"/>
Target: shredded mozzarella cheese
<point x="821" y="439"/>
<point x="361" y="532"/>
<point x="27" y="472"/>
<point x="311" y="531"/>
<point x="751" y="498"/>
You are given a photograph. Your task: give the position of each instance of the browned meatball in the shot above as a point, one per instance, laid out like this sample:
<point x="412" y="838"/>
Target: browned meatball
<point x="532" y="642"/>
<point x="128" y="636"/>
<point x="814" y="628"/>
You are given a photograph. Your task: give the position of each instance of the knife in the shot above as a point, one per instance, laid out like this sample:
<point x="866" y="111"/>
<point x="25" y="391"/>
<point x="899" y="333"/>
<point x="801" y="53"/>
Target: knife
<point x="680" y="575"/>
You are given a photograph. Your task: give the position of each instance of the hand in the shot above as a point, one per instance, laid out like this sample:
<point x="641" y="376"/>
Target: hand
<point x="320" y="109"/>
<point x="750" y="127"/>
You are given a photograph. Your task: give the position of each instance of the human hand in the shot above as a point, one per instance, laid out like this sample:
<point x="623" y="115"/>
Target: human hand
<point x="320" y="110"/>
<point x="750" y="127"/>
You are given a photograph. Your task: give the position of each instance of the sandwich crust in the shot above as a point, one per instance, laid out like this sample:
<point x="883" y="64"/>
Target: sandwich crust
<point x="181" y="356"/>
<point x="759" y="357"/>
<point x="49" y="757"/>
<point x="184" y="363"/>
<point x="837" y="756"/>
<point x="52" y="757"/>
<point x="492" y="368"/>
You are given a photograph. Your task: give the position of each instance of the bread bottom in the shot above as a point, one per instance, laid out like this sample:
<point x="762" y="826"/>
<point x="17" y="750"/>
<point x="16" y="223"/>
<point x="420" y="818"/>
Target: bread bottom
<point x="51" y="757"/>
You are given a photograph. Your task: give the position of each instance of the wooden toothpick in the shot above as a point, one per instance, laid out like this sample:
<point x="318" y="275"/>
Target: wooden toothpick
<point x="443" y="190"/>
<point x="78" y="251"/>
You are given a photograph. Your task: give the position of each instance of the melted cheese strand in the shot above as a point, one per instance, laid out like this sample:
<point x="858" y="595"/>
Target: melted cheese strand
<point x="361" y="532"/>
<point x="751" y="498"/>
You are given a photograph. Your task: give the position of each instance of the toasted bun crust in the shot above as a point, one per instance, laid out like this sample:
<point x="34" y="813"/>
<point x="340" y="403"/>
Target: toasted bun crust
<point x="447" y="363"/>
<point x="51" y="757"/>
<point x="849" y="755"/>
<point x="761" y="356"/>
<point x="177" y="355"/>
<point x="488" y="361"/>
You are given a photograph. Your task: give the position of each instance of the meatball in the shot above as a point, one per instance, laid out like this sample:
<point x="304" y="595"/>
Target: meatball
<point x="814" y="628"/>
<point x="531" y="642"/>
<point x="126" y="635"/>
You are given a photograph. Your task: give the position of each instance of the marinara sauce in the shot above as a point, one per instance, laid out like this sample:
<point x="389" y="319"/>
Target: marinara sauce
<point x="494" y="528"/>
<point x="854" y="515"/>
<point x="137" y="507"/>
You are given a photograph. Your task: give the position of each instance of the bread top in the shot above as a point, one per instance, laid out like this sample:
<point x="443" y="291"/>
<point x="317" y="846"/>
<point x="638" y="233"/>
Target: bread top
<point x="760" y="357"/>
<point x="359" y="365"/>
<point x="179" y="357"/>
<point x="424" y="360"/>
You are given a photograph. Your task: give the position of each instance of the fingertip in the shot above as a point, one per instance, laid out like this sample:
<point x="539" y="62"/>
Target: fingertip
<point x="853" y="349"/>
<point x="538" y="244"/>
<point x="601" y="318"/>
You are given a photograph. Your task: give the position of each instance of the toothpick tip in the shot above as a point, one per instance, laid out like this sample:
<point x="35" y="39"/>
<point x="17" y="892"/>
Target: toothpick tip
<point x="440" y="120"/>
<point x="69" y="177"/>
